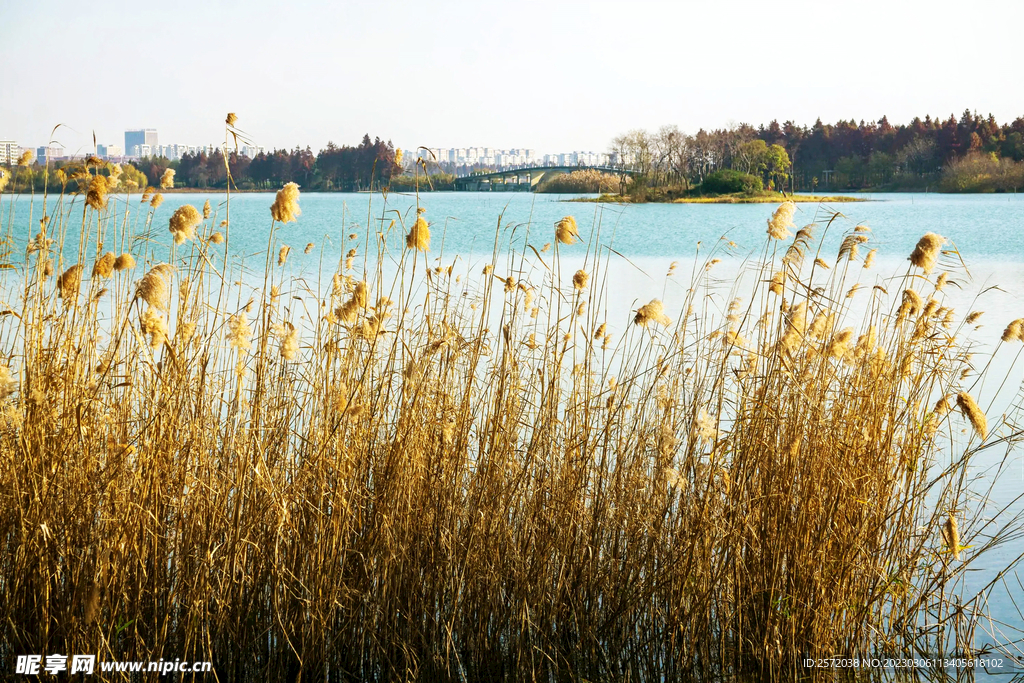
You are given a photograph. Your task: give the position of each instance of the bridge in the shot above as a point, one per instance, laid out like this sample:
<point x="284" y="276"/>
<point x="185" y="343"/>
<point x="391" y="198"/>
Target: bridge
<point x="524" y="179"/>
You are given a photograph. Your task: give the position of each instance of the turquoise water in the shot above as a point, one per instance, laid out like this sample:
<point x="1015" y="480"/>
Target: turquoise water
<point x="980" y="226"/>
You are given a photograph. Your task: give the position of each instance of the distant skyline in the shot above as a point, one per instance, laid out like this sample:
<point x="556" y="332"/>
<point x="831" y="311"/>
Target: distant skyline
<point x="552" y="76"/>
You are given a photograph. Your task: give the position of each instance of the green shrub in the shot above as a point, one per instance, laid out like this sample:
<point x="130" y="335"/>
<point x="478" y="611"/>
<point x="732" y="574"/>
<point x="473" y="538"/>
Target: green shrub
<point x="731" y="182"/>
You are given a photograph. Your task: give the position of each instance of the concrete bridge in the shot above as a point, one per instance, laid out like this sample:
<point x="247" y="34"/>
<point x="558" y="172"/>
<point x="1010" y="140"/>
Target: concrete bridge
<point x="524" y="179"/>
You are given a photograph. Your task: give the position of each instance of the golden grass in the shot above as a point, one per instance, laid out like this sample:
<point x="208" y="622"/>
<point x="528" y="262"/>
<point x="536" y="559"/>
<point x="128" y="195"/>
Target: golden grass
<point x="437" y="477"/>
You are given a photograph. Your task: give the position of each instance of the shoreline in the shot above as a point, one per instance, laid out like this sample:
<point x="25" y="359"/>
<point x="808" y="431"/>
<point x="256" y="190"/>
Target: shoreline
<point x="726" y="199"/>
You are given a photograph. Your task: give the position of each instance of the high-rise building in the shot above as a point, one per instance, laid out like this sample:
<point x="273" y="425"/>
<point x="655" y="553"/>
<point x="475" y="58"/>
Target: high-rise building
<point x="138" y="138"/>
<point x="109" y="151"/>
<point x="9" y="152"/>
<point x="49" y="153"/>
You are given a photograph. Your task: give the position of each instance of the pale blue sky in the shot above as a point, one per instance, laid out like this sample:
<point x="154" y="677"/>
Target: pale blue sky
<point x="551" y="75"/>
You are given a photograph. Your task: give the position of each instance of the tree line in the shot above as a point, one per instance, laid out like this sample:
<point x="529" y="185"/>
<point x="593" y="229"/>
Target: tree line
<point x="369" y="166"/>
<point x="972" y="153"/>
<point x="969" y="154"/>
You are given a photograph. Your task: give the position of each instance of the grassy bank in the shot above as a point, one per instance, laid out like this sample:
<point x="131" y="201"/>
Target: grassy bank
<point x="738" y="198"/>
<point x="478" y="476"/>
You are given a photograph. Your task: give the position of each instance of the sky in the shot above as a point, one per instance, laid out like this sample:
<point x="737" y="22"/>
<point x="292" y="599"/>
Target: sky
<point x="552" y="76"/>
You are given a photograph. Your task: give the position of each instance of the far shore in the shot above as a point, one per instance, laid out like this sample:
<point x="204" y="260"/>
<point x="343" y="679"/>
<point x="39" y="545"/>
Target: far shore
<point x="727" y="199"/>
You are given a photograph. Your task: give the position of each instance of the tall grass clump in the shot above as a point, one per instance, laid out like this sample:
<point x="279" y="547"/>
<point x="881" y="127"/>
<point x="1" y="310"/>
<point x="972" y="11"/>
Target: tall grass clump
<point x="581" y="181"/>
<point x="426" y="473"/>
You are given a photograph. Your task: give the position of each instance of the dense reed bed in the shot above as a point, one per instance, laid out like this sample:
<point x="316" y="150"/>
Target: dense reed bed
<point x="415" y="472"/>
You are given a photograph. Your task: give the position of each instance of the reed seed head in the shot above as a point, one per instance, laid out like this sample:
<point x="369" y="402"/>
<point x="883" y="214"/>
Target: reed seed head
<point x="566" y="231"/>
<point x="285" y="208"/>
<point x="926" y="253"/>
<point x="69" y="283"/>
<point x="419" y="236"/>
<point x="183" y="223"/>
<point x="911" y="304"/>
<point x="869" y="260"/>
<point x="282" y="255"/>
<point x="966" y="403"/>
<point x="579" y="280"/>
<point x="239" y="331"/>
<point x="951" y="536"/>
<point x="104" y="266"/>
<point x="167" y="179"/>
<point x="7" y="383"/>
<point x="781" y="221"/>
<point x="157" y="200"/>
<point x="841" y="343"/>
<point x="154" y="324"/>
<point x="653" y="311"/>
<point x="705" y="427"/>
<point x="124" y="262"/>
<point x="289" y="342"/>
<point x="154" y="288"/>
<point x="1014" y="331"/>
<point x="96" y="197"/>
<point x="207" y="210"/>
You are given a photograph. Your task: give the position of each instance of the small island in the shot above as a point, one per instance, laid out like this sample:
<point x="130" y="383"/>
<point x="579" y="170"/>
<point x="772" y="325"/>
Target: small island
<point x="726" y="186"/>
<point x="732" y="198"/>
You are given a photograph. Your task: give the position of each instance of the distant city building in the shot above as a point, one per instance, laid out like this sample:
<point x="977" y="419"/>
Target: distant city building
<point x="110" y="151"/>
<point x="9" y="152"/>
<point x="140" y="151"/>
<point x="172" y="152"/>
<point x="251" y="151"/>
<point x="138" y="138"/>
<point x="490" y="157"/>
<point x="49" y="153"/>
<point x="474" y="158"/>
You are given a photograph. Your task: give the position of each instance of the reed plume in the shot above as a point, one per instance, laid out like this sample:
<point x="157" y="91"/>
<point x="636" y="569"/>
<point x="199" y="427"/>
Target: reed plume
<point x="653" y="311"/>
<point x="96" y="196"/>
<point x="167" y="179"/>
<point x="1014" y="331"/>
<point x="951" y="536"/>
<point x="566" y="231"/>
<point x="781" y="221"/>
<point x="154" y="288"/>
<point x="70" y="283"/>
<point x="926" y="253"/>
<point x="124" y="262"/>
<point x="970" y="409"/>
<point x="579" y="280"/>
<point x="183" y="223"/>
<point x="419" y="236"/>
<point x="104" y="266"/>
<point x="285" y="208"/>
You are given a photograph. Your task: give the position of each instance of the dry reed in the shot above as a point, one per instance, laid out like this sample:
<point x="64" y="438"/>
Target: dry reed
<point x="411" y="491"/>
